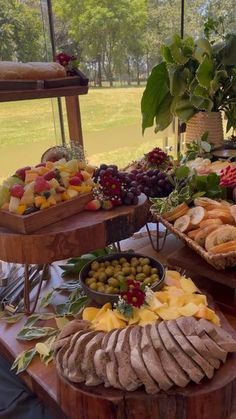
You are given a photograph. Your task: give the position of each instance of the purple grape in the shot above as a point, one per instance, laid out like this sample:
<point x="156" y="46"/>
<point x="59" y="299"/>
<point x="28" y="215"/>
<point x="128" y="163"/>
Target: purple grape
<point x="134" y="172"/>
<point x="147" y="180"/>
<point x="135" y="200"/>
<point x="153" y="180"/>
<point x="130" y="195"/>
<point x="152" y="193"/>
<point x="134" y="184"/>
<point x="103" y="167"/>
<point x="156" y="172"/>
<point x="146" y="190"/>
<point x="150" y="172"/>
<point x="139" y="177"/>
<point x="161" y="182"/>
<point x="161" y="175"/>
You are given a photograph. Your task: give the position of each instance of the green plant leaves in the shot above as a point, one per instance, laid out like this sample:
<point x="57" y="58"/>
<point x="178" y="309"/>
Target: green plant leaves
<point x="205" y="72"/>
<point x="31" y="333"/>
<point x="228" y="52"/>
<point x="157" y="89"/>
<point x="11" y="319"/>
<point x="203" y="48"/>
<point x="23" y="360"/>
<point x="163" y="114"/>
<point x="184" y="109"/>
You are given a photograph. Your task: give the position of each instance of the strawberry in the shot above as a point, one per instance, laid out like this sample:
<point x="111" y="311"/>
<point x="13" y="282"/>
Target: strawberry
<point x="75" y="181"/>
<point x="50" y="175"/>
<point x="21" y="172"/>
<point x="80" y="176"/>
<point x="17" y="191"/>
<point x="107" y="204"/>
<point x="93" y="205"/>
<point x="41" y="185"/>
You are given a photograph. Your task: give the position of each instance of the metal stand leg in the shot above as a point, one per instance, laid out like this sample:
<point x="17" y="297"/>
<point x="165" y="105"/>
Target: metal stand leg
<point x="44" y="275"/>
<point x="159" y="235"/>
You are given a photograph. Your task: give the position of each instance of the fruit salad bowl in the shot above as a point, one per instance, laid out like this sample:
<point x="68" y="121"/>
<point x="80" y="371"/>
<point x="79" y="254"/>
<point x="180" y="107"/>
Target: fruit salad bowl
<point x="103" y="278"/>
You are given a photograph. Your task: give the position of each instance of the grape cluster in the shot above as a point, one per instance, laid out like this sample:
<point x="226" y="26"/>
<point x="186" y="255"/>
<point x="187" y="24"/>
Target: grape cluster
<point x="157" y="157"/>
<point x="152" y="183"/>
<point x="116" y="186"/>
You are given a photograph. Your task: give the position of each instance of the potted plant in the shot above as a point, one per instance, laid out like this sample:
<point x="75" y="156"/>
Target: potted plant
<point x="195" y="81"/>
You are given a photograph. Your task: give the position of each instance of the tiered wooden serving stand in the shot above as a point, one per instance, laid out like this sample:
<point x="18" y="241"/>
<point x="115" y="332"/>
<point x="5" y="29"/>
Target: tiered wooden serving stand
<point x="70" y="237"/>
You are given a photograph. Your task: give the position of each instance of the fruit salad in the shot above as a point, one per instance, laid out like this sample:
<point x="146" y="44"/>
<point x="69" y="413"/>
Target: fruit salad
<point x="34" y="188"/>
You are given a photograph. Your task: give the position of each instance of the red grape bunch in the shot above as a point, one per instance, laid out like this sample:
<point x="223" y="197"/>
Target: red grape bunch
<point x="115" y="187"/>
<point x="152" y="182"/>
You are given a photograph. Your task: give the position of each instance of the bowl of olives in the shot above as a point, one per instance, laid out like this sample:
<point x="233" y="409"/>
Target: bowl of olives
<point x="102" y="277"/>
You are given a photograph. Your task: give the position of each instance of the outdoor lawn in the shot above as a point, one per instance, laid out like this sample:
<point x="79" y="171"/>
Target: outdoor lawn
<point x="111" y="124"/>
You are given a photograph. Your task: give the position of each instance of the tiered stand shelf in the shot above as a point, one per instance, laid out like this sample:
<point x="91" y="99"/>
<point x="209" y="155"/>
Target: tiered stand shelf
<point x="71" y="94"/>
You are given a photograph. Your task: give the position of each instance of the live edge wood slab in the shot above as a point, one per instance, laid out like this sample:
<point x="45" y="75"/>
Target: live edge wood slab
<point x="212" y="399"/>
<point x="73" y="236"/>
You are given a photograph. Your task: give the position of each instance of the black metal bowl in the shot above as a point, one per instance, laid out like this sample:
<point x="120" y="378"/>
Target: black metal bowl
<point x="102" y="298"/>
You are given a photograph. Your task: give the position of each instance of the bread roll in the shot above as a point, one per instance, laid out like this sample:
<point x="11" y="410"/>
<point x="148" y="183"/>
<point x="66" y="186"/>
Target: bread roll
<point x="30" y="71"/>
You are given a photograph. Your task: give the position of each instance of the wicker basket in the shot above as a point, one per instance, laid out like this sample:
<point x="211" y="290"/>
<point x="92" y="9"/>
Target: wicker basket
<point x="206" y="121"/>
<point x="220" y="261"/>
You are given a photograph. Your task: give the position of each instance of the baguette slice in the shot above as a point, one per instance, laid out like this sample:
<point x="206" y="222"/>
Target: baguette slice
<point x="223" y="234"/>
<point x="196" y="214"/>
<point x="200" y="238"/>
<point x="176" y="212"/>
<point x="224" y="247"/>
<point x="210" y="221"/>
<point x="225" y="216"/>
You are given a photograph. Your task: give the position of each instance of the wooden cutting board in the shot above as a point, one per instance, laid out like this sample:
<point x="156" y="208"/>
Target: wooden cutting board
<point x="212" y="399"/>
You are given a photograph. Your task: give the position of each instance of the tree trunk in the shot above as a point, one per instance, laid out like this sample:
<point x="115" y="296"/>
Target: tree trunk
<point x="138" y="75"/>
<point x="99" y="71"/>
<point x="129" y="73"/>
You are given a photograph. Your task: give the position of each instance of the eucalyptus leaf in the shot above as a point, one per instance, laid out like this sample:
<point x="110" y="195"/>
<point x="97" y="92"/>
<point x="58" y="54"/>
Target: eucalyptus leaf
<point x="31" y="333"/>
<point x="12" y="319"/>
<point x="46" y="300"/>
<point x="23" y="360"/>
<point x="62" y="309"/>
<point x="47" y="358"/>
<point x="78" y="305"/>
<point x="61" y="322"/>
<point x="36" y="317"/>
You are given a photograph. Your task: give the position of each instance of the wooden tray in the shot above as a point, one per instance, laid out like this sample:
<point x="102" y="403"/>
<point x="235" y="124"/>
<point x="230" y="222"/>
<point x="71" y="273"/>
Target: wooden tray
<point x="212" y="399"/>
<point x="28" y="223"/>
<point x="78" y="80"/>
<point x="20" y="84"/>
<point x="221" y="261"/>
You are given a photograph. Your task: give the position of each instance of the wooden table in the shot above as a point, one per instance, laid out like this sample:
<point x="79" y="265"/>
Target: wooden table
<point x="43" y="380"/>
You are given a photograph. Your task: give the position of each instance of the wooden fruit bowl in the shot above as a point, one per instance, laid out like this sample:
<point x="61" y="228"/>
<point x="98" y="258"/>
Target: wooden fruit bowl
<point x="29" y="223"/>
<point x="219" y="261"/>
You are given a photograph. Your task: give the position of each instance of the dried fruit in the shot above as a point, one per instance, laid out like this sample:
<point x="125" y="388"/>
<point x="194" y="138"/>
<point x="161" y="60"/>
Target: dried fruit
<point x="93" y="205"/>
<point x="17" y="191"/>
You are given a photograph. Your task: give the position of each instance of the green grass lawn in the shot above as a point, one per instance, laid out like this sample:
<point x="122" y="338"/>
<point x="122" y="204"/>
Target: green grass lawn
<point x="111" y="121"/>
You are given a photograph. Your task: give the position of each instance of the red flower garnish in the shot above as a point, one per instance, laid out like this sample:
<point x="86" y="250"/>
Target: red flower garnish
<point x="134" y="295"/>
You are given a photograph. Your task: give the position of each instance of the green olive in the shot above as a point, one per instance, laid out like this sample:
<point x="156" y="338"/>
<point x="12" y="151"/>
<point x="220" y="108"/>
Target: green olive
<point x="117" y="268"/>
<point x="154" y="271"/>
<point x="94" y="265"/>
<point x="126" y="270"/>
<point x="90" y="281"/>
<point x="113" y="282"/>
<point x="140" y="277"/>
<point x="107" y="263"/>
<point x="147" y="281"/>
<point x="116" y="290"/>
<point x="133" y="270"/>
<point x="110" y="290"/>
<point x="101" y="289"/>
<point x="102" y="264"/>
<point x="145" y="261"/>
<point x="109" y="271"/>
<point x="121" y="278"/>
<point x="139" y="269"/>
<point x="146" y="269"/>
<point x="154" y="277"/>
<point x="102" y="277"/>
<point x="122" y="260"/>
<point x="93" y="286"/>
<point x="96" y="275"/>
<point x="114" y="262"/>
<point x="91" y="273"/>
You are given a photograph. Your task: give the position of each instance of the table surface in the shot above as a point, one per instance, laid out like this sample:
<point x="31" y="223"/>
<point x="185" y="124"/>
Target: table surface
<point x="43" y="380"/>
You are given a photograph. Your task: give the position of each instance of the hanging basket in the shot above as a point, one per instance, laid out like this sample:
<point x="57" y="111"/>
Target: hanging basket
<point x="206" y="121"/>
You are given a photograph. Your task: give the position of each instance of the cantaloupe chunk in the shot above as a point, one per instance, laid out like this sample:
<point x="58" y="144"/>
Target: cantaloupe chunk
<point x="162" y="296"/>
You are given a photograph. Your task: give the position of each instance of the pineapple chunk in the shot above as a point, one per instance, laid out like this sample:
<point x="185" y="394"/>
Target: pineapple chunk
<point x="72" y="193"/>
<point x="51" y="200"/>
<point x="168" y="313"/>
<point x="14" y="204"/>
<point x="39" y="200"/>
<point x="187" y="285"/>
<point x="90" y="313"/>
<point x="147" y="316"/>
<point x="188" y="310"/>
<point x="21" y="209"/>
